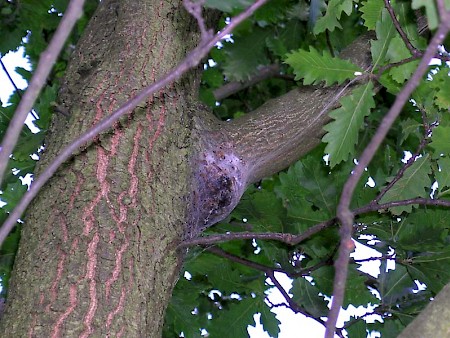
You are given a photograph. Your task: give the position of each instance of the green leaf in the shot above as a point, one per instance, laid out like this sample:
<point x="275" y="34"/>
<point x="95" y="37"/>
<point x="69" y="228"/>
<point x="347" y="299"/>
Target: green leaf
<point x="440" y="140"/>
<point x="269" y="320"/>
<point x="371" y="10"/>
<point x="245" y="55"/>
<point x="391" y="328"/>
<point x="263" y="210"/>
<point x="272" y="11"/>
<point x="432" y="268"/>
<point x="330" y="20"/>
<point x="410" y="127"/>
<point x="357" y="329"/>
<point x="43" y="106"/>
<point x="212" y="77"/>
<point x="343" y="132"/>
<point x="12" y="194"/>
<point x="179" y="317"/>
<point x="229" y="5"/>
<point x="310" y="199"/>
<point x="443" y="176"/>
<point x="11" y="39"/>
<point x="356" y="292"/>
<point x="225" y="278"/>
<point x="397" y="52"/>
<point x="307" y="296"/>
<point x="423" y="230"/>
<point x="314" y="67"/>
<point x="441" y="85"/>
<point x="289" y="37"/>
<point x="430" y="9"/>
<point x="394" y="284"/>
<point x="7" y="254"/>
<point x="385" y="31"/>
<point x="412" y="184"/>
<point x="27" y="145"/>
<point x="234" y="321"/>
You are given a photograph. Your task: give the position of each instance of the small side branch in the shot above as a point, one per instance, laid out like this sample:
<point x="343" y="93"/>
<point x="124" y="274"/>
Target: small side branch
<point x="195" y="8"/>
<point x="235" y="86"/>
<point x="292" y="239"/>
<point x="413" y="50"/>
<point x="270" y="272"/>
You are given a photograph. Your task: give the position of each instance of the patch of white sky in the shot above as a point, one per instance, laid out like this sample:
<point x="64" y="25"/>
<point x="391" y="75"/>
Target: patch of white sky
<point x="11" y="61"/>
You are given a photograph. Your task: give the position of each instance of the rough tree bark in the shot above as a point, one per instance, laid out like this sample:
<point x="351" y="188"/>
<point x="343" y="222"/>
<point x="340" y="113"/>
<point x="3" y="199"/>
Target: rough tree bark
<point x="98" y="252"/>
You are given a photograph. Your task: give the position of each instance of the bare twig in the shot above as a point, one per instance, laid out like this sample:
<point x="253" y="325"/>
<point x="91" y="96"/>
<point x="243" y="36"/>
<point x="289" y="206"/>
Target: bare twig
<point x="413" y="50"/>
<point x="46" y="61"/>
<point x="343" y="212"/>
<point x="292" y="239"/>
<point x="235" y="86"/>
<point x="293" y="305"/>
<point x="441" y="8"/>
<point x="195" y="8"/>
<point x="222" y="253"/>
<point x="426" y="134"/>
<point x="270" y="272"/>
<point x="384" y="68"/>
<point x="371" y="259"/>
<point x="281" y="237"/>
<point x="191" y="60"/>
<point x="10" y="78"/>
<point x="15" y="87"/>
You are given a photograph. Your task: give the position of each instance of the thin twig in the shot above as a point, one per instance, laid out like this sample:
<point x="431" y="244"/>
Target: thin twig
<point x="292" y="239"/>
<point x="343" y="212"/>
<point x="384" y="68"/>
<point x="15" y="87"/>
<point x="441" y="8"/>
<point x="46" y="61"/>
<point x="191" y="61"/>
<point x="371" y="259"/>
<point x="195" y="8"/>
<point x="10" y="78"/>
<point x="280" y="237"/>
<point x="413" y="50"/>
<point x="270" y="272"/>
<point x="236" y="86"/>
<point x="257" y="266"/>
<point x="426" y="134"/>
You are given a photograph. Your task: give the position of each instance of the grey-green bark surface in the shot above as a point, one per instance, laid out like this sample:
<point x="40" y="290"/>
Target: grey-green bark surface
<point x="431" y="321"/>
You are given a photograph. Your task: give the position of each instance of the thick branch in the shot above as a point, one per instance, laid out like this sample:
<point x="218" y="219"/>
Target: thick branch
<point x="283" y="129"/>
<point x="433" y="321"/>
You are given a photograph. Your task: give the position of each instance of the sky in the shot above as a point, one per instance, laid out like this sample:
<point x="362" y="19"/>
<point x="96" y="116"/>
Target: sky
<point x="11" y="61"/>
<point x="292" y="325"/>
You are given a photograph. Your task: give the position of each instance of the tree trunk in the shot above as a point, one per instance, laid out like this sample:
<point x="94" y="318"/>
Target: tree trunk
<point x="98" y="251"/>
